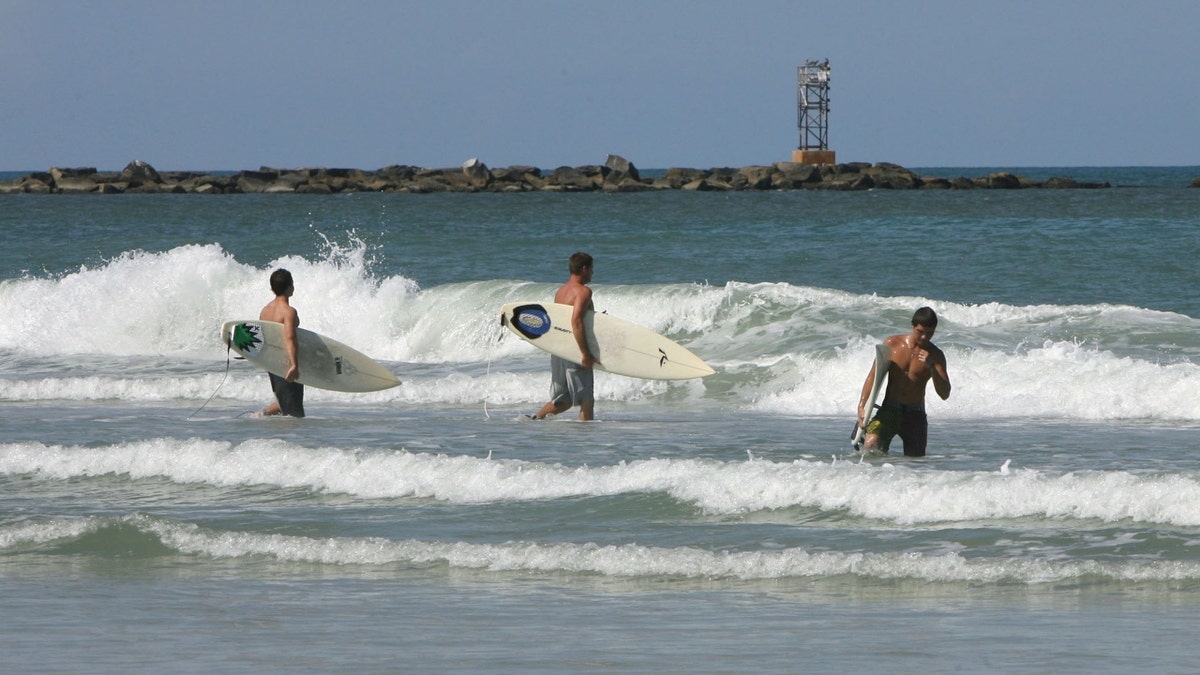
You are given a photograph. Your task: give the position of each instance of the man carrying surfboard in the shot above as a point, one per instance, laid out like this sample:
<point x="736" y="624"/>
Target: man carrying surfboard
<point x="571" y="384"/>
<point x="914" y="362"/>
<point x="289" y="394"/>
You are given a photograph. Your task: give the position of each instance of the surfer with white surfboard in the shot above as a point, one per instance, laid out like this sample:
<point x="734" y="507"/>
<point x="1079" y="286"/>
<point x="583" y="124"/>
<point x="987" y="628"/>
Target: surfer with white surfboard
<point x="580" y="341"/>
<point x="913" y="362"/>
<point x="572" y="383"/>
<point x="275" y="343"/>
<point x="289" y="394"/>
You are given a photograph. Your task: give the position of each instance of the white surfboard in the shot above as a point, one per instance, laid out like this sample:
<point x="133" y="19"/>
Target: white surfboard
<point x="325" y="363"/>
<point x="883" y="357"/>
<point x="622" y="347"/>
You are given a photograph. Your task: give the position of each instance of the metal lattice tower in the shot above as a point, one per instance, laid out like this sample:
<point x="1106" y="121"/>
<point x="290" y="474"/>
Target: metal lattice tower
<point x="812" y="95"/>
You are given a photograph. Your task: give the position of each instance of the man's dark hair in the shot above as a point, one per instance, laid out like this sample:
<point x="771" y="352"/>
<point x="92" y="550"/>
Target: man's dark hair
<point x="281" y="281"/>
<point x="578" y="261"/>
<point x="925" y="316"/>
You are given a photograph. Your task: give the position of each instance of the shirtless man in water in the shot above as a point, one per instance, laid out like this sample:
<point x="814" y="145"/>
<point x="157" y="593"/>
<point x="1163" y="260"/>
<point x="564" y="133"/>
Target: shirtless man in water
<point x="289" y="394"/>
<point x="914" y="362"/>
<point x="571" y="384"/>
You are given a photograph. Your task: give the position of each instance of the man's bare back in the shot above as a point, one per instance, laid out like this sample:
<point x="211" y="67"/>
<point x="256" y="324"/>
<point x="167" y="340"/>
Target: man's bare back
<point x="571" y="291"/>
<point x="279" y="310"/>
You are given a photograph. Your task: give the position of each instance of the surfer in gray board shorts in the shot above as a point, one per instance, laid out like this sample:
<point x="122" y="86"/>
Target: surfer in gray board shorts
<point x="571" y="384"/>
<point x="914" y="362"/>
<point x="289" y="394"/>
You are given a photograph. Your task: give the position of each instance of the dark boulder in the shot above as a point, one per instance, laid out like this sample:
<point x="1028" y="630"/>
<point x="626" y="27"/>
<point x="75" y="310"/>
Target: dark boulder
<point x="139" y="174"/>
<point x="255" y="181"/>
<point x="476" y="173"/>
<point x="755" y="177"/>
<point x="1003" y="180"/>
<point x="575" y="179"/>
<point x="793" y="176"/>
<point x="620" y="169"/>
<point x="77" y="180"/>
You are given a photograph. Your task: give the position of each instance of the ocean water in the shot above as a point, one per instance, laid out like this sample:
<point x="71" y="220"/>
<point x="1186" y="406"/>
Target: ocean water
<point x="148" y="523"/>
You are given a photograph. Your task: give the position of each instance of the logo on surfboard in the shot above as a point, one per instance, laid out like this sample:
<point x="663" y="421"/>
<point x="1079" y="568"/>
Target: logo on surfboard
<point x="246" y="338"/>
<point x="532" y="321"/>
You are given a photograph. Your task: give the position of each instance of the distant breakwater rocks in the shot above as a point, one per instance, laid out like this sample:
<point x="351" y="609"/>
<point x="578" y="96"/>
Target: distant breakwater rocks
<point x="616" y="175"/>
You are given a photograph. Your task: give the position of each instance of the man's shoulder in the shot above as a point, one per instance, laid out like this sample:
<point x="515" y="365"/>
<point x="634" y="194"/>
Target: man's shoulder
<point x="279" y="313"/>
<point x="570" y="293"/>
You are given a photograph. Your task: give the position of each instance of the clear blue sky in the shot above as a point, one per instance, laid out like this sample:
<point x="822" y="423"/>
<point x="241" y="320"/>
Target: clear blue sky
<point x="239" y="84"/>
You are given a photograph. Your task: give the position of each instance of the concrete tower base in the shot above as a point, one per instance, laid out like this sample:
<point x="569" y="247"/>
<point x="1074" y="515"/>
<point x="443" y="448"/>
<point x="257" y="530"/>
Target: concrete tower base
<point x="813" y="157"/>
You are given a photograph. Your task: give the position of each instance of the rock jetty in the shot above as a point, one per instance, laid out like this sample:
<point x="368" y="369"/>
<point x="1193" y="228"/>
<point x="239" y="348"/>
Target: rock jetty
<point x="617" y="174"/>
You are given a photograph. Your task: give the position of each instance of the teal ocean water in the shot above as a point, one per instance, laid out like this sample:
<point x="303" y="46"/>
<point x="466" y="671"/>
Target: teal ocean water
<point x="148" y="523"/>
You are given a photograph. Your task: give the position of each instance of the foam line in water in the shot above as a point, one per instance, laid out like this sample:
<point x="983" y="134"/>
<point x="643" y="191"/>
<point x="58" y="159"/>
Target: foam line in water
<point x="889" y="494"/>
<point x="621" y="561"/>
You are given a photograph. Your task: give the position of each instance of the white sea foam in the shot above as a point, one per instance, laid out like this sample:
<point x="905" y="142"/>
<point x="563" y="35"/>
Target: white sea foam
<point x="632" y="560"/>
<point x="621" y="560"/>
<point x="32" y="533"/>
<point x="886" y="493"/>
<point x="777" y="347"/>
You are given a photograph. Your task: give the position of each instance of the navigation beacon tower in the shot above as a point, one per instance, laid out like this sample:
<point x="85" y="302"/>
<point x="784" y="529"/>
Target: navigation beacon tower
<point x="812" y="103"/>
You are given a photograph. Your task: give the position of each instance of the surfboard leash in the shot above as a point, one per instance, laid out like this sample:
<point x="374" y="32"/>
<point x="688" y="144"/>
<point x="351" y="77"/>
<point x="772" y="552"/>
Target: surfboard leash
<point x="487" y="378"/>
<point x="228" y="360"/>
